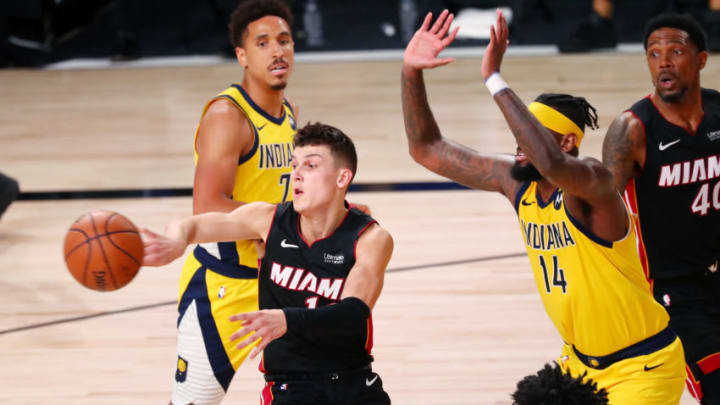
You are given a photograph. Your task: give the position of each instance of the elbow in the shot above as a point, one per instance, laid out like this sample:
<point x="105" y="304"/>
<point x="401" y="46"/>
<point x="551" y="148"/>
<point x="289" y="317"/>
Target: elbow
<point x="418" y="152"/>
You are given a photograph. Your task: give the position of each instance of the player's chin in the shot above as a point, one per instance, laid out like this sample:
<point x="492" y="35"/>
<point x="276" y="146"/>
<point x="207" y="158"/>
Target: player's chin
<point x="278" y="84"/>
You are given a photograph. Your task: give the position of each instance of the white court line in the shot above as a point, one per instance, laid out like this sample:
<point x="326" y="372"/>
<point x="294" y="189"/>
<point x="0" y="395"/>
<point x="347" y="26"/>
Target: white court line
<point x="314" y="57"/>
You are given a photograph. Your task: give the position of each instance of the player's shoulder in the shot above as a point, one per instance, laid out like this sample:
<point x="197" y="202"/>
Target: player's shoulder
<point x="375" y="235"/>
<point x="222" y="108"/>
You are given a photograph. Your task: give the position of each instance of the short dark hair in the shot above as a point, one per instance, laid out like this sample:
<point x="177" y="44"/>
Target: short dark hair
<point x="577" y="109"/>
<point x="682" y="22"/>
<point x="341" y="146"/>
<point x="552" y="386"/>
<point x="248" y="11"/>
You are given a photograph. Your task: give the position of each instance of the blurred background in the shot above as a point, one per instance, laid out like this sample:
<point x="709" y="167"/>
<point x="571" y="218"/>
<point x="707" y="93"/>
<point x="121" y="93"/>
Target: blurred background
<point x="38" y="32"/>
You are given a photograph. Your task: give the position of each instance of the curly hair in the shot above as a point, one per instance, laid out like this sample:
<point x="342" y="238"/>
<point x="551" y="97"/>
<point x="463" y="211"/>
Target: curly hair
<point x="551" y="386"/>
<point x="248" y="11"/>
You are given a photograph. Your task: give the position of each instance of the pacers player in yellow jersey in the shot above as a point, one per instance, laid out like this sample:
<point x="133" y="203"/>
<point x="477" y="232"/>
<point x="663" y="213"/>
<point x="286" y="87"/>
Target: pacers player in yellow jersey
<point x="243" y="146"/>
<point x="578" y="233"/>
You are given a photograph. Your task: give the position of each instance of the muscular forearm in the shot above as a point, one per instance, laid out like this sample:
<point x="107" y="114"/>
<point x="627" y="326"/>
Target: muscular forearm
<point x="533" y="138"/>
<point x="420" y="126"/>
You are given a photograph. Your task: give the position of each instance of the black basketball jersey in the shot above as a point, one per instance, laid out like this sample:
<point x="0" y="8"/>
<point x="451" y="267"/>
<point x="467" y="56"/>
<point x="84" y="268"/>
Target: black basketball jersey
<point x="677" y="195"/>
<point x="295" y="274"/>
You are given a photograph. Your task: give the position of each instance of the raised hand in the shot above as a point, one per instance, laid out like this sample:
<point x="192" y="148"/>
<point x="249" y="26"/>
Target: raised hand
<point x="492" y="59"/>
<point x="423" y="49"/>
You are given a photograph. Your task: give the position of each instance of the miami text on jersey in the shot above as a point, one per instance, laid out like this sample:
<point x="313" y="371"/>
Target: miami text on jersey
<point x="300" y="280"/>
<point x="689" y="171"/>
<point x="547" y="236"/>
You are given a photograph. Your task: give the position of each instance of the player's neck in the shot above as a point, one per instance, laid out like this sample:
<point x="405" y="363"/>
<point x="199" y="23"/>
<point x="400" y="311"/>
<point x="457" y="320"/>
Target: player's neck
<point x="271" y="101"/>
<point x="545" y="188"/>
<point x="686" y="112"/>
<point x="322" y="222"/>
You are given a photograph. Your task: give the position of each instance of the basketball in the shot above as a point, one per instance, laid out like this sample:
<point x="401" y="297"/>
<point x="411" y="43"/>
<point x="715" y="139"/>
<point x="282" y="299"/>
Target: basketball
<point x="103" y="250"/>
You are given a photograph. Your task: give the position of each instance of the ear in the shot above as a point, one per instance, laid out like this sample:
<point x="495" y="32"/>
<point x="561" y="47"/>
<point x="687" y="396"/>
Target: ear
<point x="344" y="178"/>
<point x="702" y="59"/>
<point x="567" y="143"/>
<point x="241" y="57"/>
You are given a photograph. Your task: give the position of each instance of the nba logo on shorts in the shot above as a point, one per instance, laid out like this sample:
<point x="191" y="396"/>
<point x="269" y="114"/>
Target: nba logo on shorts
<point x="181" y="372"/>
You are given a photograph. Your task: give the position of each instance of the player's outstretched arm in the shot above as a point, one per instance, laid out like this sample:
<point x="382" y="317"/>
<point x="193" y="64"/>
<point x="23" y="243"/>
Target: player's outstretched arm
<point x="251" y="221"/>
<point x="332" y="324"/>
<point x="224" y="135"/>
<point x="587" y="178"/>
<point x="427" y="146"/>
<point x="624" y="149"/>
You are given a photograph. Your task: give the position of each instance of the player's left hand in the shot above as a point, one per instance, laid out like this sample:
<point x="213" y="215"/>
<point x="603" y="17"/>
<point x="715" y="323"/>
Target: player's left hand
<point x="492" y="59"/>
<point x="268" y="325"/>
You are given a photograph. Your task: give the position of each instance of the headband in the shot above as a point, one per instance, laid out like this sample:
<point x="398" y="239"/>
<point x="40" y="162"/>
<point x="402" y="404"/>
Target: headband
<point x="552" y="119"/>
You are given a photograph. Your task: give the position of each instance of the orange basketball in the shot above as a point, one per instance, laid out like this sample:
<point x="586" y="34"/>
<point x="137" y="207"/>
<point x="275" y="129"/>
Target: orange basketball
<point x="103" y="250"/>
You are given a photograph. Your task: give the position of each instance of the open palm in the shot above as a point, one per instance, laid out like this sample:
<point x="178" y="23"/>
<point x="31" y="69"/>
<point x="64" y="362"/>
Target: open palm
<point x="423" y="49"/>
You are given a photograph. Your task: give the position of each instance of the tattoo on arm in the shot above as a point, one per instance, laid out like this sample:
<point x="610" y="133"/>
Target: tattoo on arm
<point x="619" y="150"/>
<point x="445" y="157"/>
<point x="534" y="139"/>
<point x="584" y="178"/>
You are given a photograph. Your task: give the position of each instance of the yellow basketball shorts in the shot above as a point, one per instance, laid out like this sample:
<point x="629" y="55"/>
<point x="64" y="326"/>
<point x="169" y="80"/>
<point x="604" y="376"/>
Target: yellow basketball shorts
<point x="657" y="378"/>
<point x="210" y="292"/>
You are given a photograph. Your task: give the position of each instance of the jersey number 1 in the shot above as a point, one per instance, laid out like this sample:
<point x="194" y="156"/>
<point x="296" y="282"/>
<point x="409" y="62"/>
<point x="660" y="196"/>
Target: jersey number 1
<point x="558" y="275"/>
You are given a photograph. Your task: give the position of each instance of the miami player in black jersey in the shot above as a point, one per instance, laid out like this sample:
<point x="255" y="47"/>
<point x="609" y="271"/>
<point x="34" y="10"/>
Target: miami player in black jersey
<point x="665" y="155"/>
<point x="320" y="276"/>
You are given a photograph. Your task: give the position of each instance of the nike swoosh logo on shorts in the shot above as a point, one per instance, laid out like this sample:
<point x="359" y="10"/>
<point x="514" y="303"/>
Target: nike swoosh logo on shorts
<point x="287" y="245"/>
<point x="653" y="367"/>
<point x="667" y="145"/>
<point x="370" y="382"/>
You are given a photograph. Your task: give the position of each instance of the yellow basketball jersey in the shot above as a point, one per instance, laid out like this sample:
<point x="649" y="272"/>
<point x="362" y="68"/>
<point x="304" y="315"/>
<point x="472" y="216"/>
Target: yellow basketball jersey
<point x="594" y="291"/>
<point x="263" y="174"/>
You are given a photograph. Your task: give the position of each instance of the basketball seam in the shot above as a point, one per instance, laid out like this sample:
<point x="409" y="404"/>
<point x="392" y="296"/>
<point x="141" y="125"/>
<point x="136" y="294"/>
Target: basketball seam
<point x="123" y="250"/>
<point x="107" y="262"/>
<point x="76" y="247"/>
<point x="88" y="240"/>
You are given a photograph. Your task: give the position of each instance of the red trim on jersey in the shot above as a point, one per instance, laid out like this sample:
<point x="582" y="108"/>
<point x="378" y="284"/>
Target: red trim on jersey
<point x="644" y="132"/>
<point x="631" y="200"/>
<point x="358" y="238"/>
<point x="675" y="125"/>
<point x="271" y="226"/>
<point x="309" y="245"/>
<point x="261" y="366"/>
<point x="369" y="340"/>
<point x="266" y="396"/>
<point x="710" y="363"/>
<point x="693" y="385"/>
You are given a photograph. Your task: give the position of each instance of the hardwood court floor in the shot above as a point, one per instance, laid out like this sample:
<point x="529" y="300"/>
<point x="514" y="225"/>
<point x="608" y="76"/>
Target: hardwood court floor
<point x="459" y="320"/>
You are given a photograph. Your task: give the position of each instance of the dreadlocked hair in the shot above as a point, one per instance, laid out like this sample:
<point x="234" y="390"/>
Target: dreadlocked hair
<point x="577" y="109"/>
<point x="551" y="386"/>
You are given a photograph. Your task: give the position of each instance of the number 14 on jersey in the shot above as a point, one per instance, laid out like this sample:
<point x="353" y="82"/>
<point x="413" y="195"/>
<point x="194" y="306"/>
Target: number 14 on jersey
<point x="558" y="275"/>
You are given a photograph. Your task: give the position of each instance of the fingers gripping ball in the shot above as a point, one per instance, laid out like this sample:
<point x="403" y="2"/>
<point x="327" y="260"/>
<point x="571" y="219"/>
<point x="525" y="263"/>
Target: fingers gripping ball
<point x="103" y="250"/>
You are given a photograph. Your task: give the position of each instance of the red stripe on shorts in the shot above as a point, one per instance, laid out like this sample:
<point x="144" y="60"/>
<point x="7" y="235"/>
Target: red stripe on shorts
<point x="710" y="363"/>
<point x="266" y="397"/>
